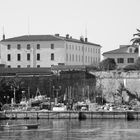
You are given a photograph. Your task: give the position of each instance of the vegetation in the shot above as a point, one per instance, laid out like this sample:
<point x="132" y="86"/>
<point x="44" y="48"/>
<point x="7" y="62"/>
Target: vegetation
<point x="136" y="40"/>
<point x="107" y="64"/>
<point x="135" y="66"/>
<point x="9" y="87"/>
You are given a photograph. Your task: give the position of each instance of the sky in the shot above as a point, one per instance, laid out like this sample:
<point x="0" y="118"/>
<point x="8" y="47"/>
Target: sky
<point x="109" y="23"/>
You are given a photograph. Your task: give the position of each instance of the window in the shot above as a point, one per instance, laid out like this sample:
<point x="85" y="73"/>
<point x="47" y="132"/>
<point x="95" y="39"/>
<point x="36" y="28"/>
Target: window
<point x="82" y="59"/>
<point x="52" y="56"/>
<point x="9" y="66"/>
<point x="38" y="56"/>
<point x="130" y="60"/>
<point x="18" y="66"/>
<point x="8" y="47"/>
<point x="28" y="56"/>
<point x="52" y="46"/>
<point x="130" y="50"/>
<point x="9" y="57"/>
<point x="76" y="58"/>
<point x="28" y="66"/>
<point x="79" y="58"/>
<point x="66" y="57"/>
<point x="18" y="57"/>
<point x="38" y="46"/>
<point x="70" y="57"/>
<point x="66" y="46"/>
<point x="120" y="60"/>
<point x="28" y="47"/>
<point x="70" y="47"/>
<point x="73" y="57"/>
<point x="38" y="66"/>
<point x="86" y="59"/>
<point x="18" y="46"/>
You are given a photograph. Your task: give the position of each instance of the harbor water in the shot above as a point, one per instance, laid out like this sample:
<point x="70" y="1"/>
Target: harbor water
<point x="73" y="129"/>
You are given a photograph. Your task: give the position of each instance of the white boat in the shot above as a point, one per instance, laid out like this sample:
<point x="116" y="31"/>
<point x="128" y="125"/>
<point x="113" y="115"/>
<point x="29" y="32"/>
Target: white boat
<point x="59" y="107"/>
<point x="17" y="126"/>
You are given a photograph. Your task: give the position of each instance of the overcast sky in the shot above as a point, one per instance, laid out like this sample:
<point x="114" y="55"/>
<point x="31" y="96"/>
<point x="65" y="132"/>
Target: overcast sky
<point x="109" y="23"/>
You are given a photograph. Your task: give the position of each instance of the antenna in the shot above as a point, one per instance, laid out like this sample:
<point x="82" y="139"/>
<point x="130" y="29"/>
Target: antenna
<point x="3" y="30"/>
<point x="3" y="36"/>
<point x="86" y="32"/>
<point x="28" y="26"/>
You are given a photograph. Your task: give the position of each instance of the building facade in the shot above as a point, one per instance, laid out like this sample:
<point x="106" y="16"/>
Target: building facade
<point x="48" y="50"/>
<point x="125" y="55"/>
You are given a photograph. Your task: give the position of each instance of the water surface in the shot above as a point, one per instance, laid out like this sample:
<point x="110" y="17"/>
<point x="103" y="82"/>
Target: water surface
<point x="73" y="129"/>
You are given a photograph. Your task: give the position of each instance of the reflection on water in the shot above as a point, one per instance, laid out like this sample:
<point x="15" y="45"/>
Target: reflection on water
<point x="73" y="129"/>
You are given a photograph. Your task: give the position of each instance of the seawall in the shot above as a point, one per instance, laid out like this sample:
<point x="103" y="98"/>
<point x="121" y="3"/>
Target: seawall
<point x="70" y="115"/>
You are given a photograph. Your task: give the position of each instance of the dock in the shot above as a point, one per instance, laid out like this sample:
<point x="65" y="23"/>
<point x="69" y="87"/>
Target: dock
<point x="70" y="115"/>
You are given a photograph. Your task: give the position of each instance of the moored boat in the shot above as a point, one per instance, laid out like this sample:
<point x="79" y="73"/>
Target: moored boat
<point x="22" y="126"/>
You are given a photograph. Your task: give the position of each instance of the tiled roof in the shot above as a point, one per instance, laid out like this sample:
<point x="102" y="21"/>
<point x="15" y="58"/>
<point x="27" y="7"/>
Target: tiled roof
<point x="79" y="41"/>
<point x="121" y="50"/>
<point x="46" y="38"/>
<point x="34" y="38"/>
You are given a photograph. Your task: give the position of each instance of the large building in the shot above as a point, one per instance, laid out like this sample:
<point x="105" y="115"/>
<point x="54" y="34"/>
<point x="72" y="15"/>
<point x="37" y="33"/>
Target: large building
<point x="125" y="55"/>
<point x="48" y="50"/>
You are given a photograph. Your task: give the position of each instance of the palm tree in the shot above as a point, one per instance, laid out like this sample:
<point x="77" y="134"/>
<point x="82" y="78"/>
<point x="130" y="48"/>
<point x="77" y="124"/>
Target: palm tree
<point x="136" y="40"/>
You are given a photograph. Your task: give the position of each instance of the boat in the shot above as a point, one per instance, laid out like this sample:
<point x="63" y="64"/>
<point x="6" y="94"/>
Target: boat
<point x="25" y="126"/>
<point x="59" y="107"/>
<point x="38" y="99"/>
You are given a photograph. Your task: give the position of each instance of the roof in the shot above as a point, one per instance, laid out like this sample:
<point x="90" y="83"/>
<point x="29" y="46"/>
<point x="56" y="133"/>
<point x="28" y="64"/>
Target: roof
<point x="122" y="50"/>
<point x="33" y="38"/>
<point x="70" y="39"/>
<point x="46" y="38"/>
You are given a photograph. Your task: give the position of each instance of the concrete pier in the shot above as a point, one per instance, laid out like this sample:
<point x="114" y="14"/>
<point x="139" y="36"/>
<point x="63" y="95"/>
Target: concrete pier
<point x="69" y="115"/>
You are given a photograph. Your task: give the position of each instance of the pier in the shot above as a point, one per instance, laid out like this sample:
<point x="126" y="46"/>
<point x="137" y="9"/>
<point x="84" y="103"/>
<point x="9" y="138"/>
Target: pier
<point x="129" y="115"/>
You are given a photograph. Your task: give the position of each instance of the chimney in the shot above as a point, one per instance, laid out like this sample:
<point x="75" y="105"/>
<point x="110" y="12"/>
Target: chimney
<point x="86" y="39"/>
<point x="67" y="36"/>
<point x="81" y="39"/>
<point x="3" y="36"/>
<point x="56" y="34"/>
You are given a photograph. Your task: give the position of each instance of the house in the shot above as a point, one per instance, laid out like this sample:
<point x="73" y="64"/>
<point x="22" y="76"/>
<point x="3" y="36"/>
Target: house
<point x="48" y="50"/>
<point x="125" y="55"/>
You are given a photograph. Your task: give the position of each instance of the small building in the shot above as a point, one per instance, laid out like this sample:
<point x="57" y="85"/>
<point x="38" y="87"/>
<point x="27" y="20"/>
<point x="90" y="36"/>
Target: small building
<point x="47" y="50"/>
<point x="125" y="55"/>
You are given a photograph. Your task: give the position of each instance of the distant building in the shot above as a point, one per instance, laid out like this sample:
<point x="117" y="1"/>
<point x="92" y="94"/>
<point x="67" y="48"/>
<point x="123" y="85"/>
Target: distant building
<point x="47" y="50"/>
<point x="125" y="55"/>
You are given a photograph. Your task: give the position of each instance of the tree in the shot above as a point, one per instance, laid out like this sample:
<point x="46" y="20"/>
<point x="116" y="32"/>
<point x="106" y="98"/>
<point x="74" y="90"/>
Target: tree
<point x="107" y="64"/>
<point x="136" y="40"/>
<point x="135" y="66"/>
<point x="7" y="86"/>
<point x="137" y="63"/>
<point x="131" y="67"/>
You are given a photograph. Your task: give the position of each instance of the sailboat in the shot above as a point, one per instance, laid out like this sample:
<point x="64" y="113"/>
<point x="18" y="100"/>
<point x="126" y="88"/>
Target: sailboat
<point x="38" y="98"/>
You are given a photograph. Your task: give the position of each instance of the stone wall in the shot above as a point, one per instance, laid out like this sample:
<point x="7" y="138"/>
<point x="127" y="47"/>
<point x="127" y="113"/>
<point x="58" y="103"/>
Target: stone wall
<point x="110" y="81"/>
